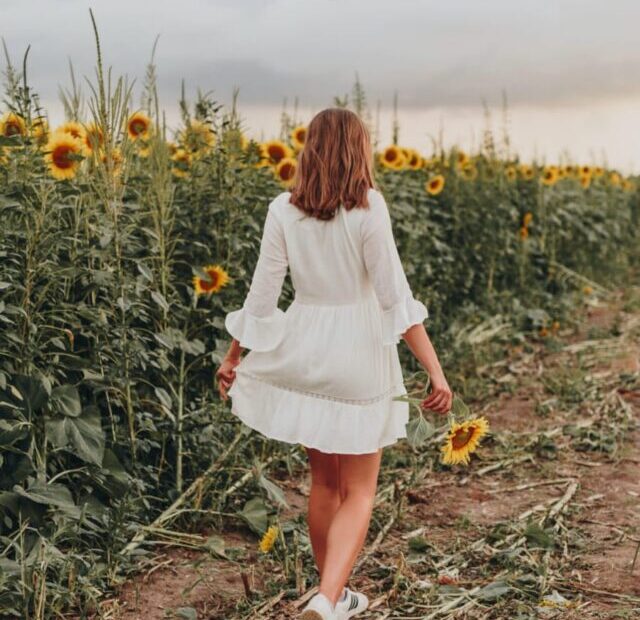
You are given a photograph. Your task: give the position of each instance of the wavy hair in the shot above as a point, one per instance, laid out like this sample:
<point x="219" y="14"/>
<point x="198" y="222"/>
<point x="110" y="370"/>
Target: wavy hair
<point x="335" y="165"/>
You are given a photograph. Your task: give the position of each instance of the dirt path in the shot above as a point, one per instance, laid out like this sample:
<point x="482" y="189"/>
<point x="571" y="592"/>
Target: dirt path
<point x="551" y="503"/>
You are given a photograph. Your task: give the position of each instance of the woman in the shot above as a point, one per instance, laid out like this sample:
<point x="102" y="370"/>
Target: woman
<point x="324" y="373"/>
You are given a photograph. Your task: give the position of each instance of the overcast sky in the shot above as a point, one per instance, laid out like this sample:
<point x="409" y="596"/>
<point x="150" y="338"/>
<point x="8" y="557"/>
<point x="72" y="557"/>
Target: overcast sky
<point x="566" y="65"/>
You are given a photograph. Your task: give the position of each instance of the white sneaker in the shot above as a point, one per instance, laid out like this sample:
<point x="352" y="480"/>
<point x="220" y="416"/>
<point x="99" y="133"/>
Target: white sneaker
<point x="319" y="608"/>
<point x="353" y="604"/>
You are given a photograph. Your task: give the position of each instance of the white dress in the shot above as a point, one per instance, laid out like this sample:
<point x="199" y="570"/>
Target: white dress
<point x="323" y="373"/>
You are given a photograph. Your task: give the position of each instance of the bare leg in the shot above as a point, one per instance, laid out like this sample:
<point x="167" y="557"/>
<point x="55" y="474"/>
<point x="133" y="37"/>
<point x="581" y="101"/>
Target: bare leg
<point x="348" y="529"/>
<point x="324" y="500"/>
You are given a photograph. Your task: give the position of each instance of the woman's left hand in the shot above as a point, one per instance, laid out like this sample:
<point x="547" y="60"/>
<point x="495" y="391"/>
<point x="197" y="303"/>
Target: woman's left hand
<point x="226" y="374"/>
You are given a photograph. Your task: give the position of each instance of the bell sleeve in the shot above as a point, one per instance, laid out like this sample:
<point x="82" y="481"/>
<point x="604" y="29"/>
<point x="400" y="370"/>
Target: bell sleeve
<point x="400" y="310"/>
<point x="259" y="324"/>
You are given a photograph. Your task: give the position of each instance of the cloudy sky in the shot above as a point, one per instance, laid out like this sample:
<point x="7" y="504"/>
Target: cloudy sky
<point x="570" y="68"/>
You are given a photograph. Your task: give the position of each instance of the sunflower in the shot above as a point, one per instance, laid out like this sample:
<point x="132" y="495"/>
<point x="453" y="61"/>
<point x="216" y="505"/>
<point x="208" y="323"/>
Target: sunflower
<point x="598" y="171"/>
<point x="462" y="159"/>
<point x="429" y="162"/>
<point x="615" y="178"/>
<point x="469" y="172"/>
<point x="269" y="539"/>
<point x="435" y="185"/>
<point x="286" y="169"/>
<point x="586" y="171"/>
<point x="139" y="126"/>
<point x="197" y="137"/>
<point x="524" y="232"/>
<point x="585" y="180"/>
<point x="628" y="185"/>
<point x="40" y="130"/>
<point x="12" y="124"/>
<point x="235" y="140"/>
<point x="173" y="148"/>
<point x="549" y="175"/>
<point x="63" y="154"/>
<point x="392" y="157"/>
<point x="527" y="172"/>
<point x="217" y="277"/>
<point x="93" y="137"/>
<point x="116" y="160"/>
<point x="74" y="129"/>
<point x="298" y="136"/>
<point x="511" y="173"/>
<point x="414" y="161"/>
<point x="275" y="150"/>
<point x="143" y="148"/>
<point x="527" y="219"/>
<point x="181" y="163"/>
<point x="463" y="439"/>
<point x="4" y="155"/>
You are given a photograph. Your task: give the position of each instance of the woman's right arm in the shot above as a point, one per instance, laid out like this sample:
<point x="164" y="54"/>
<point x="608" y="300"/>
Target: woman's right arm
<point x="441" y="398"/>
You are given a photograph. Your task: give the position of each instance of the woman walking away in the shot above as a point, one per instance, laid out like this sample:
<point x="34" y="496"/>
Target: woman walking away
<point x="323" y="374"/>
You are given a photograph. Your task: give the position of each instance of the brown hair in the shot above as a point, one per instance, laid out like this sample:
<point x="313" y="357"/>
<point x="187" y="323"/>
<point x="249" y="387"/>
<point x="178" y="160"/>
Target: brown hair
<point x="335" y="166"/>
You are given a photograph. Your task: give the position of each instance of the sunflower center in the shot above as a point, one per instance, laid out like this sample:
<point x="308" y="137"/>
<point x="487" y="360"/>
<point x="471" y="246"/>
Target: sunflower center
<point x="138" y="126"/>
<point x="276" y="153"/>
<point x="461" y="438"/>
<point x="286" y="172"/>
<point x="60" y="156"/>
<point x="12" y="129"/>
<point x="213" y="281"/>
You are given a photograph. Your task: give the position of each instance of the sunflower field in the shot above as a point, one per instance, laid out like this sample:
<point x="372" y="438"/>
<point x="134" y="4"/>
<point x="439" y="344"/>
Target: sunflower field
<point x="123" y="244"/>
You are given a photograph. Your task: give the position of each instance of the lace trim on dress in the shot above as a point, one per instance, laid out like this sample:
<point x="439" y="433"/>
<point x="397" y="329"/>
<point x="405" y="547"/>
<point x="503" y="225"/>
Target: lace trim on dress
<point x="399" y="390"/>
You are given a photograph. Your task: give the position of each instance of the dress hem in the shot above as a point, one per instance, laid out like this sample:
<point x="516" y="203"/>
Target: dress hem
<point x="332" y="427"/>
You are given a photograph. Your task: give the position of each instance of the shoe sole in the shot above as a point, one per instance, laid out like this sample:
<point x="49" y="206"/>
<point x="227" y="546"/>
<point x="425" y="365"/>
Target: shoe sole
<point x="310" y="614"/>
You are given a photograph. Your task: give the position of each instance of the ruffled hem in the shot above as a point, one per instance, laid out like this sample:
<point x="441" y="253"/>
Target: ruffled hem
<point x="332" y="426"/>
<point x="256" y="333"/>
<point x="398" y="319"/>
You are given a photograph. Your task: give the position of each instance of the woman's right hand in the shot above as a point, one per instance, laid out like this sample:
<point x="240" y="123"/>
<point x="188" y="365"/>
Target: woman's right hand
<point x="441" y="397"/>
<point x="226" y="375"/>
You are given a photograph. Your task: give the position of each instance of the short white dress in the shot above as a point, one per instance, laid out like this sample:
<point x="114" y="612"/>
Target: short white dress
<point x="324" y="372"/>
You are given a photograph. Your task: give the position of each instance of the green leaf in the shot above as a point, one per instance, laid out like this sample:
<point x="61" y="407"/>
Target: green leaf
<point x="216" y="545"/>
<point x="84" y="434"/>
<point x="163" y="397"/>
<point x="493" y="591"/>
<point x="459" y="407"/>
<point x="145" y="271"/>
<point x="418" y="543"/>
<point x="66" y="400"/>
<point x="274" y="492"/>
<point x="31" y="393"/>
<point x="538" y="537"/>
<point x="188" y="613"/>
<point x="419" y="429"/>
<point x="160" y="300"/>
<point x="53" y="494"/>
<point x="254" y="513"/>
